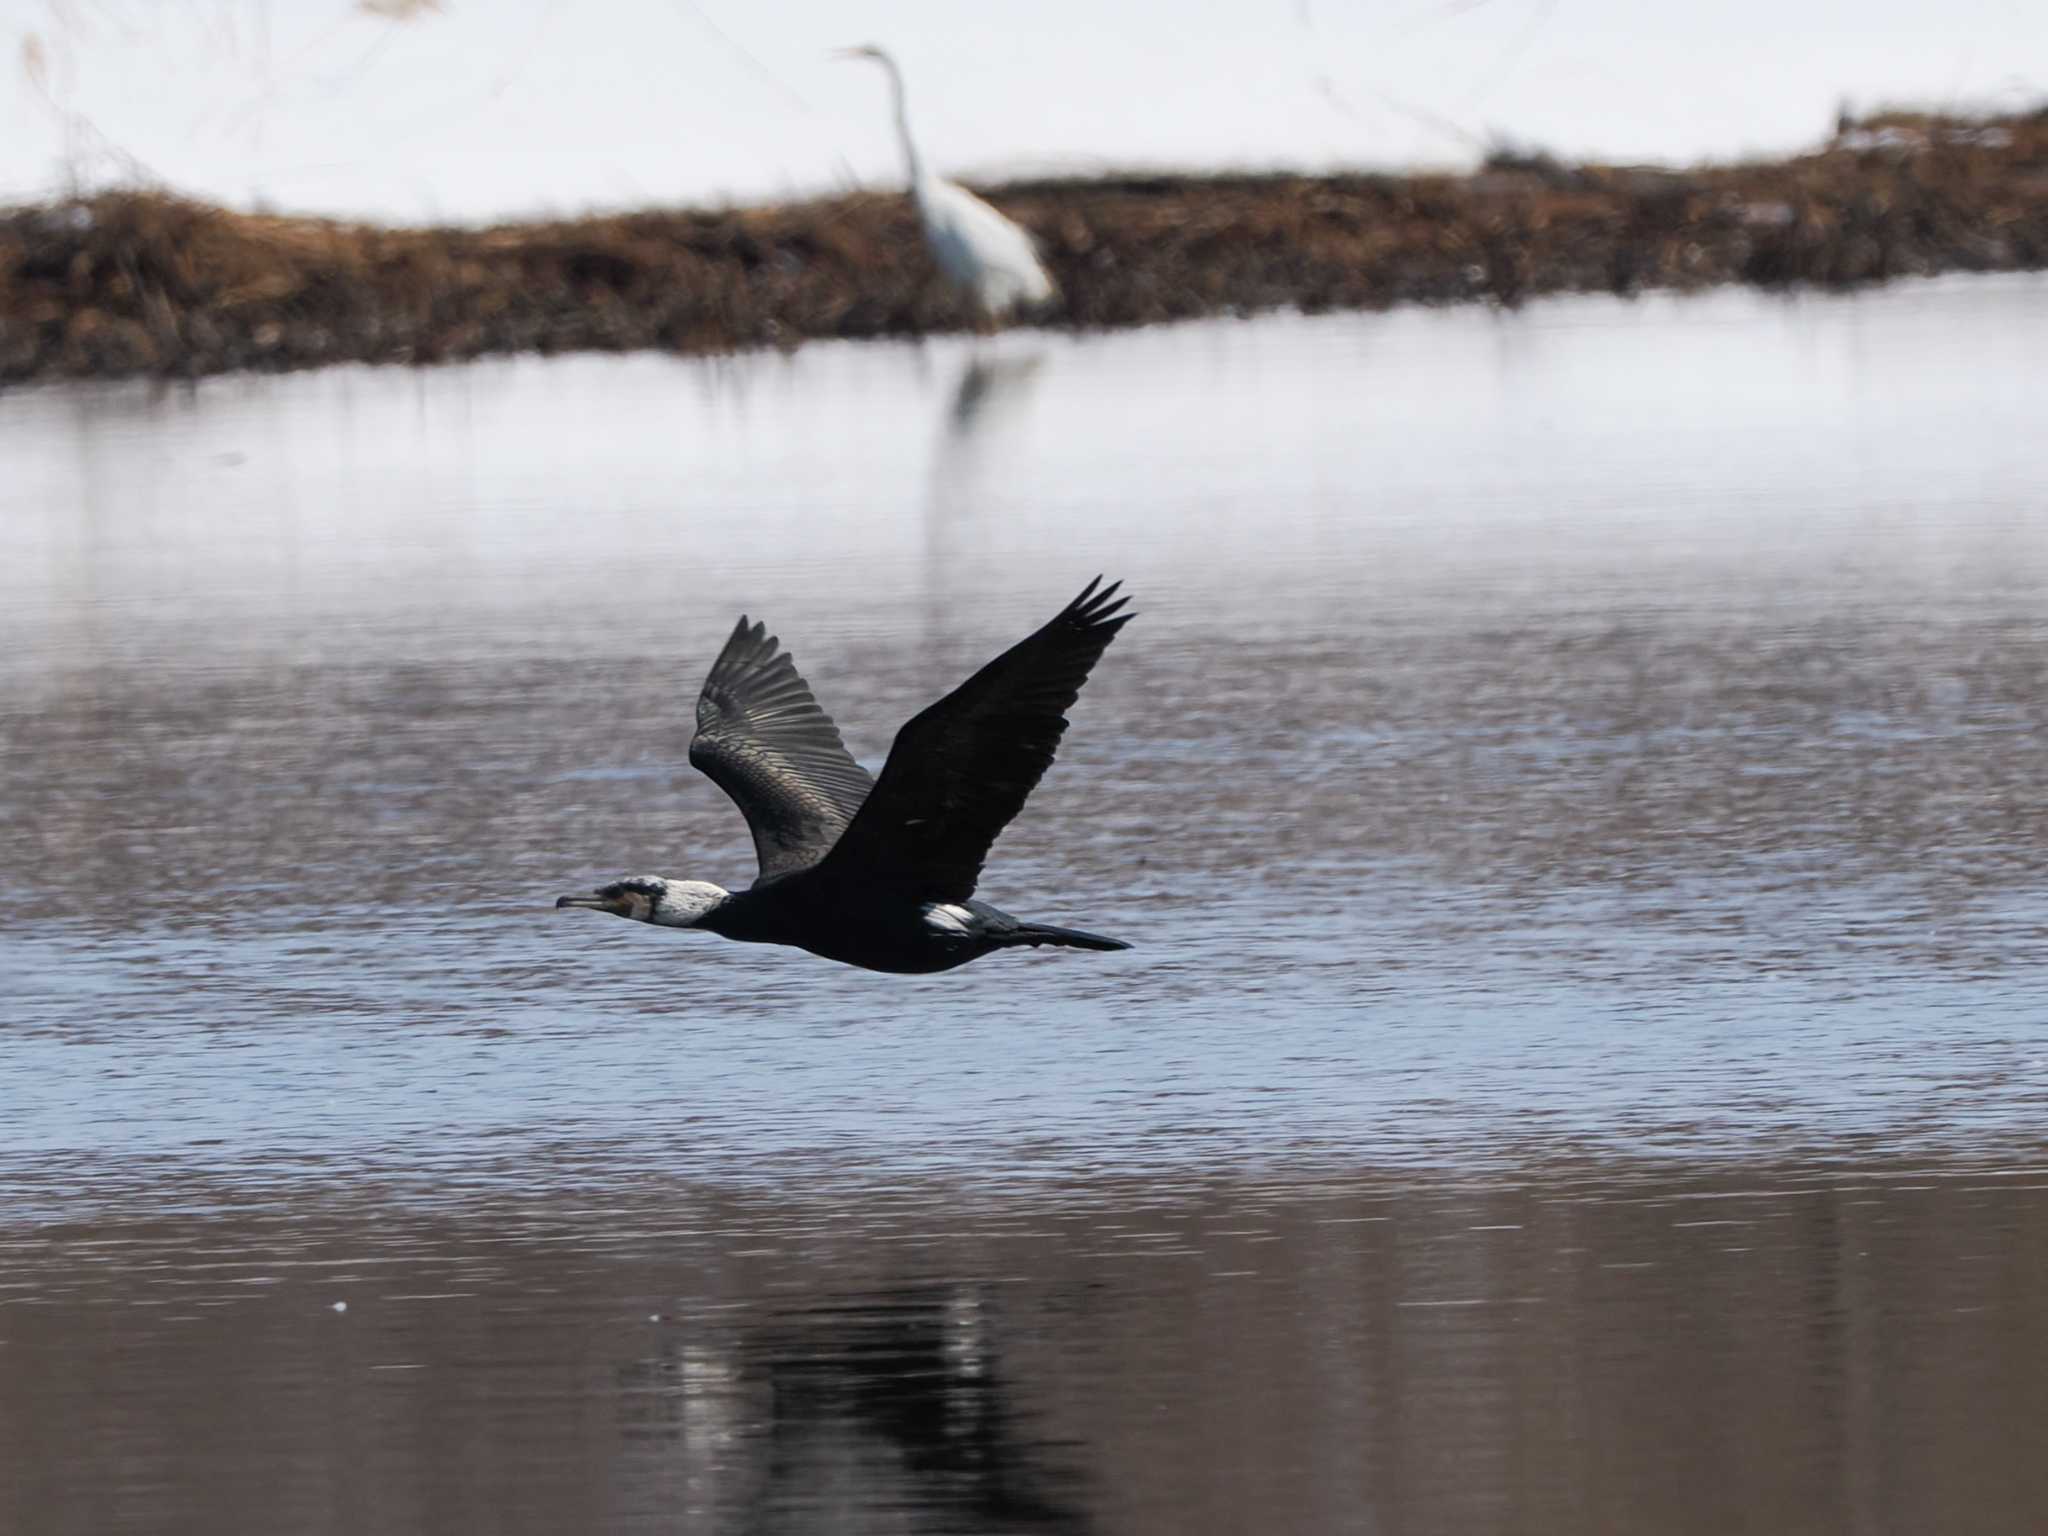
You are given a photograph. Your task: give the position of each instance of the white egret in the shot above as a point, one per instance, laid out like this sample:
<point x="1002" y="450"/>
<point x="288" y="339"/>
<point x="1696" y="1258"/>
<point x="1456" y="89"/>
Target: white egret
<point x="990" y="260"/>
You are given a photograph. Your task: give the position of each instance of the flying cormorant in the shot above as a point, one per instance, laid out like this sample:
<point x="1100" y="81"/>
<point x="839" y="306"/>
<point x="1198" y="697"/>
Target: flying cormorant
<point x="877" y="873"/>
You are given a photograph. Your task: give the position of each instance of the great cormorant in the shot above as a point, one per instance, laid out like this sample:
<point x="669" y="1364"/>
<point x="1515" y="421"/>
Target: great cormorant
<point x="877" y="873"/>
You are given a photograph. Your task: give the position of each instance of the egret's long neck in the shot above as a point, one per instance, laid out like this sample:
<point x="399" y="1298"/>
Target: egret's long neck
<point x="912" y="164"/>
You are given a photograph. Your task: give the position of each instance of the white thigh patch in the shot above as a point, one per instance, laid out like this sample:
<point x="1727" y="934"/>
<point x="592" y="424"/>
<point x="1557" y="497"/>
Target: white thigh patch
<point x="944" y="917"/>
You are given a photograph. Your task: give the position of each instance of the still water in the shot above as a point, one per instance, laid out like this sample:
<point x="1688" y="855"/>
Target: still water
<point x="1574" y="785"/>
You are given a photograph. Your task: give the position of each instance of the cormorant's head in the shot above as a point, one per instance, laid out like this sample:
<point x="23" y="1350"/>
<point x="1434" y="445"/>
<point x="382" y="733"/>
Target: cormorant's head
<point x="652" y="899"/>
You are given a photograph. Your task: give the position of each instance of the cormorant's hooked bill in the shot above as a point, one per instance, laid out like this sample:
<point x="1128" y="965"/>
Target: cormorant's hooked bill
<point x="878" y="873"/>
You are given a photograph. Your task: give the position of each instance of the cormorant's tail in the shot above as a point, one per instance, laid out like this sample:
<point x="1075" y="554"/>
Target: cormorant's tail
<point x="1036" y="934"/>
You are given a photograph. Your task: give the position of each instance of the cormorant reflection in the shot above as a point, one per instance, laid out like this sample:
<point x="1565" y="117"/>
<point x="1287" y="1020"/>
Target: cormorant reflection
<point x="890" y="1402"/>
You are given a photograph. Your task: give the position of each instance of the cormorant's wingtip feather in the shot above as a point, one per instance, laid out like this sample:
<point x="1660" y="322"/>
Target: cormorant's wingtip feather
<point x="1102" y="619"/>
<point x="760" y="645"/>
<point x="1093" y="607"/>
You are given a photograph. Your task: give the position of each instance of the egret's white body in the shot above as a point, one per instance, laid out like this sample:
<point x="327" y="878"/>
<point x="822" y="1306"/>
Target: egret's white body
<point x="988" y="258"/>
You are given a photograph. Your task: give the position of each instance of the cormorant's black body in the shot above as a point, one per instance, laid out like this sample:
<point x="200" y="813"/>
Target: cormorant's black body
<point x="868" y="929"/>
<point x="878" y="872"/>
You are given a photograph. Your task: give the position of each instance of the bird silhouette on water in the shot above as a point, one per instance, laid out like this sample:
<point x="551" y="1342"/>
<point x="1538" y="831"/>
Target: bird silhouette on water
<point x="878" y="873"/>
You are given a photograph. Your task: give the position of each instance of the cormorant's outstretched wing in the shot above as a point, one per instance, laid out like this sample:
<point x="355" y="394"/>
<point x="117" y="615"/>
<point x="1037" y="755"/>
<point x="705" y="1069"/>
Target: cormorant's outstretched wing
<point x="958" y="772"/>
<point x="762" y="739"/>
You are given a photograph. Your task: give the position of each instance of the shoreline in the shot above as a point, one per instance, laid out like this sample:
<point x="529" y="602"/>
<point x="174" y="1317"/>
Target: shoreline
<point x="142" y="283"/>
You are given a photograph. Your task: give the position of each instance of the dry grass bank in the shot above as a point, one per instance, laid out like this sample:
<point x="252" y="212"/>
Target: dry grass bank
<point x="143" y="283"/>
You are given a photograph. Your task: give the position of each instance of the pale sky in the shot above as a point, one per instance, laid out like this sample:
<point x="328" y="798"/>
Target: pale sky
<point x="491" y="108"/>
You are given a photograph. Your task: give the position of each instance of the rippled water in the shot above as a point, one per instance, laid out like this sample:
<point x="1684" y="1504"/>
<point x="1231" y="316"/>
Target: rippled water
<point x="1574" y="787"/>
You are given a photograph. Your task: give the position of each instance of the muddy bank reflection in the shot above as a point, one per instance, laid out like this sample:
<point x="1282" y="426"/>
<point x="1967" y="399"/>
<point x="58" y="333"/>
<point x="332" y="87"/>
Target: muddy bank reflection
<point x="1617" y="1345"/>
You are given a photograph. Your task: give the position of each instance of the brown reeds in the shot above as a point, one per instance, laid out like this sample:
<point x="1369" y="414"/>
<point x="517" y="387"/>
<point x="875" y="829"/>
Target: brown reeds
<point x="143" y="283"/>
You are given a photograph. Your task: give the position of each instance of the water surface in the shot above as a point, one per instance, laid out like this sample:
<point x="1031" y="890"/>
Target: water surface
<point x="1573" y="787"/>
